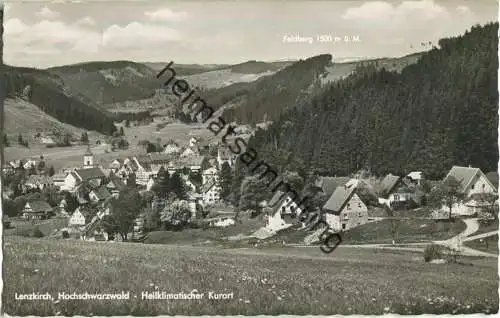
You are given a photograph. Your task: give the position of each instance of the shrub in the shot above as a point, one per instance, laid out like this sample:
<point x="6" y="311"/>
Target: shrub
<point x="65" y="234"/>
<point x="37" y="233"/>
<point x="432" y="252"/>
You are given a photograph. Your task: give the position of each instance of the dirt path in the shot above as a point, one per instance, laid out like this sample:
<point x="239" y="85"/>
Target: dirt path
<point x="472" y="225"/>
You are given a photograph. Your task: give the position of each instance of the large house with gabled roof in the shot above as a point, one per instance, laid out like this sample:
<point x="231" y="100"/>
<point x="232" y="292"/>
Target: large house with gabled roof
<point x="473" y="183"/>
<point x="396" y="191"/>
<point x="284" y="212"/>
<point x="37" y="210"/>
<point x="345" y="209"/>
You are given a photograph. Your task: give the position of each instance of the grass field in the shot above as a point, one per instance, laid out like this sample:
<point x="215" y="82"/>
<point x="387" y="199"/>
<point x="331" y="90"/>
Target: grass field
<point x="280" y="281"/>
<point x="25" y="228"/>
<point x="408" y="231"/>
<point x="73" y="156"/>
<point x="489" y="244"/>
<point x="487" y="228"/>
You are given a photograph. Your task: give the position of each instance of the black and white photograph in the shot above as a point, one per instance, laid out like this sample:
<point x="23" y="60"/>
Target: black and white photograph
<point x="249" y="158"/>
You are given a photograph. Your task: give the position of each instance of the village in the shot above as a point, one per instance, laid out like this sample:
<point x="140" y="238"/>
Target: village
<point x="82" y="199"/>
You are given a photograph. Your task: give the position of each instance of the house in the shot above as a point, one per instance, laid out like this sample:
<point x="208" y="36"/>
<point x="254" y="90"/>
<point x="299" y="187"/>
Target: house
<point x="47" y="140"/>
<point x="190" y="185"/>
<point x="37" y="210"/>
<point x="115" y="165"/>
<point x="396" y="192"/>
<point x="59" y="180"/>
<point x="192" y="163"/>
<point x="93" y="176"/>
<point x="100" y="194"/>
<point x="29" y="164"/>
<point x="327" y="185"/>
<point x="145" y="169"/>
<point x="284" y="212"/>
<point x="81" y="216"/>
<point x="193" y="141"/>
<point x="210" y="173"/>
<point x="190" y="151"/>
<point x="171" y="148"/>
<point x="38" y="182"/>
<point x="415" y="177"/>
<point x="150" y="184"/>
<point x="211" y="192"/>
<point x="115" y="185"/>
<point x="63" y="207"/>
<point x="473" y="182"/>
<point x="344" y="209"/>
<point x="225" y="155"/>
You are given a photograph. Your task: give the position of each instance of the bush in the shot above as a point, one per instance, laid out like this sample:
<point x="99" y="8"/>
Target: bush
<point x="432" y="252"/>
<point x="37" y="233"/>
<point x="65" y="234"/>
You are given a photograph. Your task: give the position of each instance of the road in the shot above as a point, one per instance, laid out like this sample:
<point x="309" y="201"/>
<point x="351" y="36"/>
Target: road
<point x="472" y="225"/>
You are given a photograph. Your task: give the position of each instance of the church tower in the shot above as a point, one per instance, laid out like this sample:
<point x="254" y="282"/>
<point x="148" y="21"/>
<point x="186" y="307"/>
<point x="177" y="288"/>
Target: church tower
<point x="88" y="159"/>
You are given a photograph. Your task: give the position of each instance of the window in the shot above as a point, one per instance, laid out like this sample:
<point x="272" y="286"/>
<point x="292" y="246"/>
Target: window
<point x="484" y="185"/>
<point x="345" y="216"/>
<point x="88" y="163"/>
<point x="472" y="186"/>
<point x="343" y="226"/>
<point x="359" y="205"/>
<point x="396" y="197"/>
<point x="360" y="215"/>
<point x="348" y="206"/>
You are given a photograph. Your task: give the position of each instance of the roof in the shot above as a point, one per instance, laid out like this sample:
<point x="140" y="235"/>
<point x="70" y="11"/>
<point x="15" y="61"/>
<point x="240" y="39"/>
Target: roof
<point x="225" y="153"/>
<point x="278" y="197"/>
<point x="329" y="184"/>
<point x="492" y="176"/>
<point x="464" y="175"/>
<point x="37" y="178"/>
<point x="415" y="175"/>
<point x="144" y="160"/>
<point x="39" y="206"/>
<point x="115" y="183"/>
<point x="188" y="161"/>
<point x="102" y="193"/>
<point x="340" y="196"/>
<point x="90" y="173"/>
<point x="389" y="182"/>
<point x="207" y="186"/>
<point x="160" y="158"/>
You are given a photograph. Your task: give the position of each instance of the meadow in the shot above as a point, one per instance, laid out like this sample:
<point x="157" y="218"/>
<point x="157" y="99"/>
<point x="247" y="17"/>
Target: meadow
<point x="267" y="281"/>
<point x="73" y="156"/>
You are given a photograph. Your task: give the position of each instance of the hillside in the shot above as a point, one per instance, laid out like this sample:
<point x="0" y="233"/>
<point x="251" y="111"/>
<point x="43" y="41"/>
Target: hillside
<point x="438" y="112"/>
<point x="270" y="96"/>
<point x="187" y="69"/>
<point x="109" y="82"/>
<point x="49" y="93"/>
<point x="28" y="119"/>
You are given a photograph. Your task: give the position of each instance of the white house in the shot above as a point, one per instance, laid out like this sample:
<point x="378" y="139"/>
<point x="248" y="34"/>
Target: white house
<point x="47" y="140"/>
<point x="189" y="151"/>
<point x="209" y="174"/>
<point x="284" y="212"/>
<point x="94" y="177"/>
<point x="115" y="165"/>
<point x="38" y="182"/>
<point x="171" y="148"/>
<point x="59" y="179"/>
<point x="224" y="154"/>
<point x="472" y="183"/>
<point x="396" y="190"/>
<point x="77" y="219"/>
<point x="344" y="209"/>
<point x="211" y="192"/>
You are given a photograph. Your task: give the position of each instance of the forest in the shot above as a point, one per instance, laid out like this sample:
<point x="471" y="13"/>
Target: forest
<point x="49" y="93"/>
<point x="441" y="111"/>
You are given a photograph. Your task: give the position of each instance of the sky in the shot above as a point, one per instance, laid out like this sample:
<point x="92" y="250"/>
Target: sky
<point x="49" y="33"/>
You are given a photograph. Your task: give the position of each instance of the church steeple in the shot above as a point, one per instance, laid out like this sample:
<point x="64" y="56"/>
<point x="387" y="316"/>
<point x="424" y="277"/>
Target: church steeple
<point x="88" y="159"/>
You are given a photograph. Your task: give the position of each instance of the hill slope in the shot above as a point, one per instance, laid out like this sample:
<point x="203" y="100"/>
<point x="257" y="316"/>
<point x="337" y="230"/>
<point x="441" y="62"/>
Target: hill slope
<point x="28" y="119"/>
<point x="270" y="96"/>
<point x="439" y="112"/>
<point x="49" y="92"/>
<point x="109" y="82"/>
